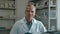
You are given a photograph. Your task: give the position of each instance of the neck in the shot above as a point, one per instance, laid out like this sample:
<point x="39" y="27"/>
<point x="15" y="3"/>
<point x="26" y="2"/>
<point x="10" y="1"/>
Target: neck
<point x="28" y="20"/>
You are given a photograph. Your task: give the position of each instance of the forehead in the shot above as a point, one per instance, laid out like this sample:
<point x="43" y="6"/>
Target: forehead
<point x="30" y="7"/>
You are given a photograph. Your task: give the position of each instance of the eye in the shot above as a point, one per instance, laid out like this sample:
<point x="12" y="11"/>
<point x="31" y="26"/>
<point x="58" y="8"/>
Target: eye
<point x="27" y="10"/>
<point x="32" y="11"/>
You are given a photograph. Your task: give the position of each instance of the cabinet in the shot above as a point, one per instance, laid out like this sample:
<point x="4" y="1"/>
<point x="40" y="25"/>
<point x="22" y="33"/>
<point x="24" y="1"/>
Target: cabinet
<point x="7" y="15"/>
<point x="47" y="14"/>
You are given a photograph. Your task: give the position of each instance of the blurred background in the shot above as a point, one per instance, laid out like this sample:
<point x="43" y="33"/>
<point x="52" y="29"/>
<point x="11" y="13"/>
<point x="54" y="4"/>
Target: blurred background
<point x="47" y="11"/>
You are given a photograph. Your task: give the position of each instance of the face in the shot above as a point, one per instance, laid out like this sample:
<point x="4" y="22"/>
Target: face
<point x="30" y="12"/>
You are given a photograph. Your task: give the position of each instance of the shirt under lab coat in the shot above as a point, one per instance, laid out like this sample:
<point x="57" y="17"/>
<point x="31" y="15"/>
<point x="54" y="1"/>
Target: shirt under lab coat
<point x="20" y="27"/>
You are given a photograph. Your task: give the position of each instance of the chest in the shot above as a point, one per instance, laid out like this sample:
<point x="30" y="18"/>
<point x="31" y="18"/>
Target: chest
<point x="24" y="28"/>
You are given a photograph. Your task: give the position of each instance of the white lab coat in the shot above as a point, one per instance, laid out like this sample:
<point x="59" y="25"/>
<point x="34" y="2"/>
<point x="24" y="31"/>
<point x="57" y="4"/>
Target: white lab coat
<point x="20" y="27"/>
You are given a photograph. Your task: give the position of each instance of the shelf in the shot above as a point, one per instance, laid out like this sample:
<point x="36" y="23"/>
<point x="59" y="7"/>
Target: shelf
<point x="7" y="16"/>
<point x="6" y="19"/>
<point x="41" y="7"/>
<point x="7" y="1"/>
<point x="45" y="7"/>
<point x="7" y="9"/>
<point x="52" y="18"/>
<point x="53" y="6"/>
<point x="4" y="29"/>
<point x="11" y="0"/>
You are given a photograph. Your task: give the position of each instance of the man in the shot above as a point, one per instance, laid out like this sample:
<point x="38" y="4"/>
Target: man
<point x="28" y="25"/>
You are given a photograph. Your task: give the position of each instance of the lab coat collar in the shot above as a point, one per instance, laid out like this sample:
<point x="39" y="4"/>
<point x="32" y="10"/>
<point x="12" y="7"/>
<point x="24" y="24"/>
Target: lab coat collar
<point x="33" y="20"/>
<point x="26" y="20"/>
<point x="33" y="24"/>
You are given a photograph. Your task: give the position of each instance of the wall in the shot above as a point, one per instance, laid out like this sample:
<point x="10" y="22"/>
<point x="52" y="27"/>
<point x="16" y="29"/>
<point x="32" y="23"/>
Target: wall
<point x="20" y="8"/>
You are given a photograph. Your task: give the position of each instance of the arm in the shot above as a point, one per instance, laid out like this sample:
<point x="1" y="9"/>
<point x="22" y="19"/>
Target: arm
<point x="42" y="28"/>
<point x="14" y="29"/>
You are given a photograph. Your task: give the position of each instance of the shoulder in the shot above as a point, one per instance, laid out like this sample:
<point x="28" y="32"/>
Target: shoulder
<point x="38" y="22"/>
<point x="19" y="22"/>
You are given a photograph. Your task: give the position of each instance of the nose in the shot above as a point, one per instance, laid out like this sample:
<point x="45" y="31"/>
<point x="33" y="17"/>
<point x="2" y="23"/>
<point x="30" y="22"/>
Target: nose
<point x="30" y="13"/>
